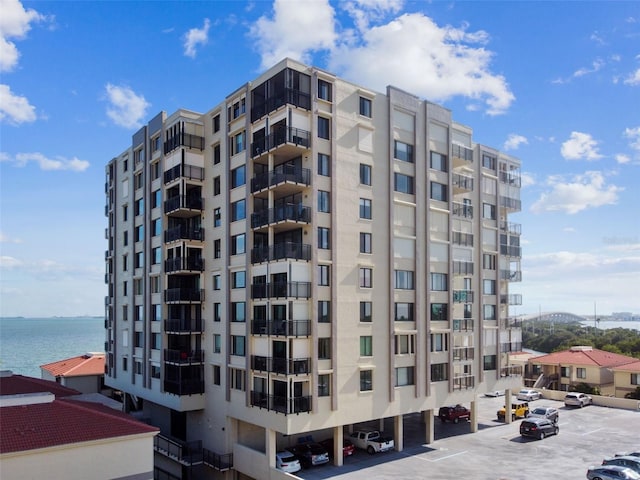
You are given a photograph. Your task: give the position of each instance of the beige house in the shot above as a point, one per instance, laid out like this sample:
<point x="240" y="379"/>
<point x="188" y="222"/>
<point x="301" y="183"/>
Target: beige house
<point x="84" y="373"/>
<point x="580" y="364"/>
<point x="626" y="378"/>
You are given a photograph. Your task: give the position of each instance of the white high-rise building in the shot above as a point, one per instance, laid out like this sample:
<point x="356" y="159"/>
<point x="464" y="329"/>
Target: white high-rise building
<point x="306" y="256"/>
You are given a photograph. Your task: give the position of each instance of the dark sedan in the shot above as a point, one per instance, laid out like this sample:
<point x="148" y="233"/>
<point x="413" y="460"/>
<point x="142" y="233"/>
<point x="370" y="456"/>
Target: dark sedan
<point x="538" y="428"/>
<point x="310" y="454"/>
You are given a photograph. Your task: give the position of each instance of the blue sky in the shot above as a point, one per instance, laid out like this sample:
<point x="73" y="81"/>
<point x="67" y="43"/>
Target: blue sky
<point x="556" y="84"/>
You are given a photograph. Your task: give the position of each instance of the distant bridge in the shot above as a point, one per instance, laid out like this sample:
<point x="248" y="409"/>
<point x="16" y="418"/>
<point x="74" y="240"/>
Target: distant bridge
<point x="560" y="317"/>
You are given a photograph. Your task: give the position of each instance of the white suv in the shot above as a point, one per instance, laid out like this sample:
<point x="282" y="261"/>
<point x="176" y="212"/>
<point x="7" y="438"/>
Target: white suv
<point x="576" y="399"/>
<point x="529" y="395"/>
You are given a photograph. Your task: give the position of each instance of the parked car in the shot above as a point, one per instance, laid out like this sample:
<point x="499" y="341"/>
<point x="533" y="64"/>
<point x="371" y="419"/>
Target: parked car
<point x="549" y="413"/>
<point x="538" y="428"/>
<point x="627" y="454"/>
<point x="611" y="472"/>
<point x="577" y="399"/>
<point x="310" y="454"/>
<point x="454" y="413"/>
<point x="518" y="410"/>
<point x="287" y="462"/>
<point x="528" y="395"/>
<point x="348" y="448"/>
<point x="627" y="461"/>
<point x="372" y="441"/>
<point x="495" y="393"/>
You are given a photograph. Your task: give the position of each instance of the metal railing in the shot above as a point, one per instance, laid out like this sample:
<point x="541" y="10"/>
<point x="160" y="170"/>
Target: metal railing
<point x="281" y="290"/>
<point x="217" y="461"/>
<point x="280" y="251"/>
<point x="183" y="233"/>
<point x="281" y="136"/>
<point x="187" y="453"/>
<point x="183" y="357"/>
<point x="183" y="325"/>
<point x="463" y="382"/>
<point x="178" y="202"/>
<point x="462" y="324"/>
<point x="462" y="210"/>
<point x="511" y="371"/>
<point x="511" y="250"/>
<point x="463" y="353"/>
<point x="181" y="294"/>
<point x="284" y="366"/>
<point x="291" y="96"/>
<point x="281" y="404"/>
<point x="463" y="182"/>
<point x="462" y="153"/>
<point x="184" y="140"/>
<point x="194" y="264"/>
<point x="511" y="299"/>
<point x="463" y="296"/>
<point x="289" y="328"/>
<point x="281" y="174"/>
<point x="462" y="268"/>
<point x="292" y="212"/>
<point x="511" y="228"/>
<point x="190" y="172"/>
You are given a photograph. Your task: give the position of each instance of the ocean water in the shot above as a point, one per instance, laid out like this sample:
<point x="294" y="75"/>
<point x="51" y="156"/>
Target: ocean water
<point x="27" y="343"/>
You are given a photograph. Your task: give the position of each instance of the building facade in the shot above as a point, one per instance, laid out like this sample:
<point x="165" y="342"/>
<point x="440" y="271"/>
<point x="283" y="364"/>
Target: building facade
<point x="306" y="256"/>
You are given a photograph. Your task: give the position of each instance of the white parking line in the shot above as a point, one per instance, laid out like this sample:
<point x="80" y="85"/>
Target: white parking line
<point x="592" y="431"/>
<point x="448" y="456"/>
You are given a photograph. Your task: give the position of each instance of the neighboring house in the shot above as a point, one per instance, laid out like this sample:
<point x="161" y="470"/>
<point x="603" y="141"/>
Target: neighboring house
<point x="84" y="373"/>
<point x="626" y="378"/>
<point x="47" y="434"/>
<point x="579" y="364"/>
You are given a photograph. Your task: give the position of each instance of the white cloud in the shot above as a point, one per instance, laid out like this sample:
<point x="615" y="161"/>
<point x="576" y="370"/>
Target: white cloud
<point x="597" y="38"/>
<point x="195" y="37"/>
<point x="15" y="109"/>
<point x="527" y="180"/>
<point x="45" y="163"/>
<point x="633" y="134"/>
<point x="581" y="192"/>
<point x="633" y="79"/>
<point x="621" y="158"/>
<point x="514" y="141"/>
<point x="580" y="146"/>
<point x="363" y="12"/>
<point x="9" y="262"/>
<point x="294" y="31"/>
<point x="7" y="239"/>
<point x="596" y="65"/>
<point x="15" y="22"/>
<point x="126" y="108"/>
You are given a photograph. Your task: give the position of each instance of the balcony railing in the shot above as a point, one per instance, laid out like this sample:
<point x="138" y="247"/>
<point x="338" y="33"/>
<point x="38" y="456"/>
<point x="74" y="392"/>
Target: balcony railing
<point x="183" y="202"/>
<point x="183" y="233"/>
<point x="289" y="95"/>
<point x="511" y="299"/>
<point x="510" y="178"/>
<point x="511" y="250"/>
<point x="283" y="366"/>
<point x="511" y="371"/>
<point x="463" y="353"/>
<point x="187" y="386"/>
<point x="184" y="357"/>
<point x="176" y="264"/>
<point x="160" y="474"/>
<point x="184" y="140"/>
<point x="511" y="275"/>
<point x="511" y="228"/>
<point x="462" y="268"/>
<point x="289" y="328"/>
<point x="281" y="290"/>
<point x="281" y="251"/>
<point x="187" y="453"/>
<point x="510" y="203"/>
<point x="463" y="382"/>
<point x="291" y="212"/>
<point x="190" y="172"/>
<point x="463" y="296"/>
<point x="281" y="136"/>
<point x="462" y="210"/>
<point x="463" y="153"/>
<point x="511" y="347"/>
<point x="463" y="239"/>
<point x="281" y="404"/>
<point x="183" y="295"/>
<point x="281" y="174"/>
<point x="183" y="325"/>
<point x="462" y="324"/>
<point x="462" y="182"/>
<point x="218" y="461"/>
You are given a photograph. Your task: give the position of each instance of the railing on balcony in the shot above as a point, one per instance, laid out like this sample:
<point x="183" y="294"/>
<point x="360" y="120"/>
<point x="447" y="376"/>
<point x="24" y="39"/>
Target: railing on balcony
<point x="511" y="228"/>
<point x="281" y="404"/>
<point x="462" y="268"/>
<point x="511" y="275"/>
<point x="183" y="325"/>
<point x="289" y="328"/>
<point x="190" y="172"/>
<point x="281" y="251"/>
<point x="187" y="453"/>
<point x="510" y="178"/>
<point x="463" y="239"/>
<point x="160" y="474"/>
<point x="281" y="290"/>
<point x="461" y="152"/>
<point x="188" y="202"/>
<point x="463" y="182"/>
<point x="279" y="137"/>
<point x="463" y="296"/>
<point x="511" y="371"/>
<point x="511" y="203"/>
<point x="184" y="140"/>
<point x="511" y="299"/>
<point x="462" y="382"/>
<point x="183" y="233"/>
<point x="281" y="174"/>
<point x="291" y="96"/>
<point x="462" y="324"/>
<point x="462" y="210"/>
<point x="463" y="353"/>
<point x="511" y="250"/>
<point x="283" y="366"/>
<point x="184" y="357"/>
<point x="186" y="386"/>
<point x="511" y="322"/>
<point x="218" y="461"/>
<point x="184" y="295"/>
<point x="510" y="347"/>
<point x="175" y="264"/>
<point x="292" y="212"/>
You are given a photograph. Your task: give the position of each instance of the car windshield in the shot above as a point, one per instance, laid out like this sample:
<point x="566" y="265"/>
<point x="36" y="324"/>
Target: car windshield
<point x="540" y="411"/>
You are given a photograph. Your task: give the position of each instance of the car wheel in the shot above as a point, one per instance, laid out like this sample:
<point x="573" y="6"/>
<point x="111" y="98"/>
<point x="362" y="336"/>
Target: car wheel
<point x="371" y="450"/>
<point x="596" y="478"/>
<point x="557" y="430"/>
<point x="541" y="435"/>
<point x="456" y="420"/>
<point x="581" y="404"/>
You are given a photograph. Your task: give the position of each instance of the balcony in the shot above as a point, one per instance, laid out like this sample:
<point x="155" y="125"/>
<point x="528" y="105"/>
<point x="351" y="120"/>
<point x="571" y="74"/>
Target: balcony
<point x="511" y="347"/>
<point x="463" y="296"/>
<point x="289" y="328"/>
<point x="184" y="295"/>
<point x="186" y="386"/>
<point x="510" y="322"/>
<point x="462" y="382"/>
<point x="218" y="461"/>
<point x="462" y="183"/>
<point x="511" y="275"/>
<point x="462" y="210"/>
<point x="282" y="366"/>
<point x="511" y="250"/>
<point x="281" y="175"/>
<point x="184" y="140"/>
<point x="184" y="206"/>
<point x="511" y="228"/>
<point x="511" y="299"/>
<point x="182" y="232"/>
<point x="289" y="96"/>
<point x="184" y="357"/>
<point x="188" y="172"/>
<point x="463" y="325"/>
<point x="510" y="178"/>
<point x="289" y="212"/>
<point x="281" y="404"/>
<point x="281" y="136"/>
<point x="186" y="453"/>
<point x="510" y="204"/>
<point x="183" y="325"/>
<point x="281" y="290"/>
<point x="184" y="264"/>
<point x="160" y="474"/>
<point x="461" y="238"/>
<point x="461" y="155"/>
<point x="463" y="353"/>
<point x="511" y="371"/>
<point x="281" y="251"/>
<point x="462" y="268"/>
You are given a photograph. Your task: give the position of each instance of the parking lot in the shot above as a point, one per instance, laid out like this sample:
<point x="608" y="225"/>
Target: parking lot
<point x="496" y="451"/>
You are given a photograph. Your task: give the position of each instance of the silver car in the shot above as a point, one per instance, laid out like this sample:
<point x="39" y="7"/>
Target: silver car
<point x="611" y="472"/>
<point x="576" y="399"/>
<point x="529" y="395"/>
<point x="627" y="461"/>
<point x="547" y="412"/>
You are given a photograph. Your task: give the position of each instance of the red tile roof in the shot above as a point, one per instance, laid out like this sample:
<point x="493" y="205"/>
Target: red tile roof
<point x="63" y="422"/>
<point x="16" y="384"/>
<point x="88" y="364"/>
<point x="629" y="367"/>
<point x="586" y="357"/>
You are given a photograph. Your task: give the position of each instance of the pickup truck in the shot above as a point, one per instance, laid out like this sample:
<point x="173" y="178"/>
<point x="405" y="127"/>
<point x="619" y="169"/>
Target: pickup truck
<point x="372" y="441"/>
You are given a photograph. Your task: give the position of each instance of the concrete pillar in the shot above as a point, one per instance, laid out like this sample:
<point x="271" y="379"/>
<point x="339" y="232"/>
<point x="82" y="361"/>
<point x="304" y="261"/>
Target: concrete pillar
<point x="338" y="439"/>
<point x="507" y="405"/>
<point x="474" y="415"/>
<point x="270" y="447"/>
<point x="429" y="426"/>
<point x="398" y="433"/>
<point x="350" y="428"/>
<point x="381" y="425"/>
